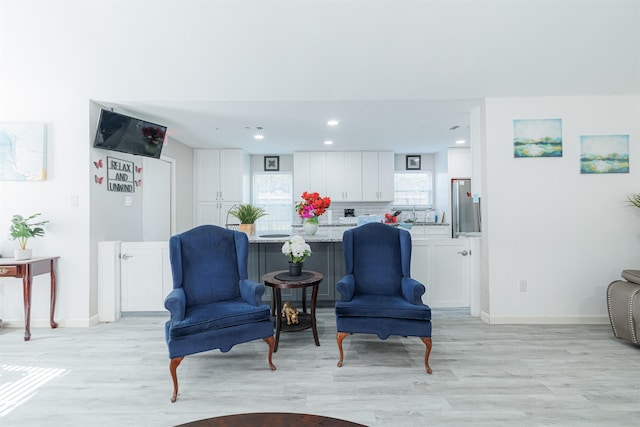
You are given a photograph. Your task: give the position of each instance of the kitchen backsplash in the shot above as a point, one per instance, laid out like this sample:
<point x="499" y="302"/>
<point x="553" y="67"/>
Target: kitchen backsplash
<point x="363" y="208"/>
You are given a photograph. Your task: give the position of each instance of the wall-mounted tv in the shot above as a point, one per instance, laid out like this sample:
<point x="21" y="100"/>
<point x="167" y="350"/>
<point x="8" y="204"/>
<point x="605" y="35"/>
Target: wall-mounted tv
<point x="125" y="134"/>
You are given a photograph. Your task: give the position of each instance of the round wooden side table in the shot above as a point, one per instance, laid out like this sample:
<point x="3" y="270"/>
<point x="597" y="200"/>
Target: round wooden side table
<point x="278" y="280"/>
<point x="281" y="419"/>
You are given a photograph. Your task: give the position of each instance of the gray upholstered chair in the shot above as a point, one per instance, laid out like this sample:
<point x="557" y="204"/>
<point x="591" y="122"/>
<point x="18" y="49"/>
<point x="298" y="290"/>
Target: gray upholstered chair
<point x="623" y="304"/>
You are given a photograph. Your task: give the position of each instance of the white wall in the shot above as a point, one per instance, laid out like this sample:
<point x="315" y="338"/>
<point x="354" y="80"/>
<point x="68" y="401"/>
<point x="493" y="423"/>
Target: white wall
<point x="568" y="234"/>
<point x="67" y="234"/>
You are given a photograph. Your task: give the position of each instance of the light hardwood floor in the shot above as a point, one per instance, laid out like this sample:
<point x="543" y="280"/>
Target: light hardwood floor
<point x="512" y="375"/>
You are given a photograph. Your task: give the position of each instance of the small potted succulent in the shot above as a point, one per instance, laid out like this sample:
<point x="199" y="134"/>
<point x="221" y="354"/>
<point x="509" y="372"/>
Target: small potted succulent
<point x="248" y="215"/>
<point x="22" y="229"/>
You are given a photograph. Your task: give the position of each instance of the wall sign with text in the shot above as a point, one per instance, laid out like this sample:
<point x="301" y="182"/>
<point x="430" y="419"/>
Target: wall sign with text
<point x="120" y="175"/>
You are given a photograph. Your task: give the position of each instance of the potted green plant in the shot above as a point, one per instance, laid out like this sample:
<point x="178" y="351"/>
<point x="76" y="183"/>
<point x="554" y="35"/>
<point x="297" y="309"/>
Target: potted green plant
<point x="634" y="200"/>
<point x="22" y="229"/>
<point x="248" y="215"/>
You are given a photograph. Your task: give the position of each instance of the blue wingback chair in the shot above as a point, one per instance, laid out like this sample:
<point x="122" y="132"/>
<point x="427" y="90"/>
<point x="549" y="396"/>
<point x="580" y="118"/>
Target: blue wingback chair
<point x="377" y="294"/>
<point x="213" y="305"/>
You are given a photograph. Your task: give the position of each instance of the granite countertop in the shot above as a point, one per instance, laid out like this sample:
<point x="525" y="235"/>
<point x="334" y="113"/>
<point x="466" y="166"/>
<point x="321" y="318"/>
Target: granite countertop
<point x="333" y="233"/>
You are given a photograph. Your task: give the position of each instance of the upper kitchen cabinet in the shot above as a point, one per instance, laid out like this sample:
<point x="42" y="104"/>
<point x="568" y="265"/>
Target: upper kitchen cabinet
<point x="222" y="180"/>
<point x="221" y="175"/>
<point x="459" y="162"/>
<point x="308" y="173"/>
<point x="344" y="176"/>
<point x="377" y="176"/>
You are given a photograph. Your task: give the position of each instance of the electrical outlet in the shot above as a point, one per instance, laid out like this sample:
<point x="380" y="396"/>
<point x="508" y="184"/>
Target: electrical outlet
<point x="522" y="285"/>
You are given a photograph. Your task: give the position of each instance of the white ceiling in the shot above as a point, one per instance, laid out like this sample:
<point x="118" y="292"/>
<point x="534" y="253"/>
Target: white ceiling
<point x="397" y="75"/>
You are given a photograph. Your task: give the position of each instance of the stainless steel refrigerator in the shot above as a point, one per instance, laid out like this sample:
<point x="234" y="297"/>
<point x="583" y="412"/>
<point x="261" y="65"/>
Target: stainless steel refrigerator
<point x="465" y="214"/>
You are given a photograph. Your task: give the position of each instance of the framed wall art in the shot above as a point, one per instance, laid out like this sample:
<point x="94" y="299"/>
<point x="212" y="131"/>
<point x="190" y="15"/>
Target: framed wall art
<point x="413" y="162"/>
<point x="271" y="163"/>
<point x="604" y="154"/>
<point x="23" y="155"/>
<point x="537" y="138"/>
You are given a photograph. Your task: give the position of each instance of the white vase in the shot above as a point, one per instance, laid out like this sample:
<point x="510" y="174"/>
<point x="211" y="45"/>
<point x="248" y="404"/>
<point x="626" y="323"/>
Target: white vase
<point x="22" y="254"/>
<point x="310" y="227"/>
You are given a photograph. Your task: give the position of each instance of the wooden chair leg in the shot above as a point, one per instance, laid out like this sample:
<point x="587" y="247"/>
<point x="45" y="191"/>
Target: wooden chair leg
<point x="272" y="343"/>
<point x="173" y="366"/>
<point x="427" y="343"/>
<point x="340" y="337"/>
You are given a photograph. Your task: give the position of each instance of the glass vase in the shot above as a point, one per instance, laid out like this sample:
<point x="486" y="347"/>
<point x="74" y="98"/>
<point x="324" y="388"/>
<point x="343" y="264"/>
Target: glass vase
<point x="310" y="225"/>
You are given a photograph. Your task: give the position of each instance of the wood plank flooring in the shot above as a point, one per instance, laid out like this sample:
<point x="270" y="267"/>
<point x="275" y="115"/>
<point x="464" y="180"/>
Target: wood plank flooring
<point x="483" y="375"/>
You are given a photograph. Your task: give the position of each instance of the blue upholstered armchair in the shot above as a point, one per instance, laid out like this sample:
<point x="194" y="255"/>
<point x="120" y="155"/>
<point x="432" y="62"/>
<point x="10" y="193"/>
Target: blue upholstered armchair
<point x="213" y="305"/>
<point x="377" y="294"/>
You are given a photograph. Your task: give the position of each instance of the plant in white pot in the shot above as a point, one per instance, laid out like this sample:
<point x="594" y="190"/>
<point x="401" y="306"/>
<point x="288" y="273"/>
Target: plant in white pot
<point x="248" y="215"/>
<point x="22" y="229"/>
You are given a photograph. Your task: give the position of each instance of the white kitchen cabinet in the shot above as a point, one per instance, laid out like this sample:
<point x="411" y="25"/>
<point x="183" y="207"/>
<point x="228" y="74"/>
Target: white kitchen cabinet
<point x="377" y="176"/>
<point x="216" y="213"/>
<point x="221" y="175"/>
<point x="420" y="263"/>
<point x="309" y="169"/>
<point x="221" y="181"/>
<point x="145" y="278"/>
<point x="344" y="176"/>
<point x="441" y="266"/>
<point x="459" y="162"/>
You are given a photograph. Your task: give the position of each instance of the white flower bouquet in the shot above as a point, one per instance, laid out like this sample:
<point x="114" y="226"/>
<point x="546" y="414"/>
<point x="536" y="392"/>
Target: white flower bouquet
<point x="296" y="249"/>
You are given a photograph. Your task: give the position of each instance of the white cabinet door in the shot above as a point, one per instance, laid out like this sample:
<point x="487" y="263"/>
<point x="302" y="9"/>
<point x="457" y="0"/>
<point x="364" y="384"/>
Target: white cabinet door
<point x="459" y="162"/>
<point x="309" y="173"/>
<point x="231" y="175"/>
<point x="377" y="176"/>
<point x="207" y="175"/>
<point x="215" y="213"/>
<point x="334" y="176"/>
<point x="352" y="164"/>
<point x="448" y="274"/>
<point x="145" y="275"/>
<point x="420" y="265"/>
<point x="220" y="175"/>
<point x="207" y="213"/>
<point x="344" y="176"/>
<point x="386" y="176"/>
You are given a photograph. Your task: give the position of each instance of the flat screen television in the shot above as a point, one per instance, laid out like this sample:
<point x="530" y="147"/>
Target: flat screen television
<point x="125" y="134"/>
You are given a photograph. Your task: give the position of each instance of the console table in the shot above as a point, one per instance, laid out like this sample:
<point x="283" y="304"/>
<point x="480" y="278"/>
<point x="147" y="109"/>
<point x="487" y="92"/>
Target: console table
<point x="308" y="279"/>
<point x="25" y="270"/>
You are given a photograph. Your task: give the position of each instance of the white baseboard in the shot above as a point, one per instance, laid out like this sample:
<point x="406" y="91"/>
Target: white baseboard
<point x="544" y="320"/>
<point x="44" y="323"/>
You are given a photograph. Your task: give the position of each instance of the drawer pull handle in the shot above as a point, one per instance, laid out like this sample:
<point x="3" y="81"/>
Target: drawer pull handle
<point x="4" y="270"/>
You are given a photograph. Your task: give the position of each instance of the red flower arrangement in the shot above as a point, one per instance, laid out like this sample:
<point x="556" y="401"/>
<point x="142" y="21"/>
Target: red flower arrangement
<point x="312" y="205"/>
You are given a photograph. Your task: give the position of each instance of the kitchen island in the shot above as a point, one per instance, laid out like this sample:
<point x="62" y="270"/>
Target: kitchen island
<point x="265" y="255"/>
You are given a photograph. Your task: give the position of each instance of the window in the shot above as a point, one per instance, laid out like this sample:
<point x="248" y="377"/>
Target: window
<point x="273" y="191"/>
<point x="413" y="189"/>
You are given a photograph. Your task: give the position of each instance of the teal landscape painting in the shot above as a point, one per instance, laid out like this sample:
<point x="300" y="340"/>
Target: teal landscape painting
<point x="604" y="154"/>
<point x="22" y="152"/>
<point x="537" y="138"/>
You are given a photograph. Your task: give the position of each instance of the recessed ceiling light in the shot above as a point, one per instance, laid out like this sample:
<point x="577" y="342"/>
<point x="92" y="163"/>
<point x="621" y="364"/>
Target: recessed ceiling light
<point x="328" y="142"/>
<point x="332" y="123"/>
<point x="258" y="136"/>
<point x="460" y="141"/>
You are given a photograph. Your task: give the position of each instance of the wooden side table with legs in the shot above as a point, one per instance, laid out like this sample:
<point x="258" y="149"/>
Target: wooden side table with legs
<point x="25" y="270"/>
<point x="278" y="280"/>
